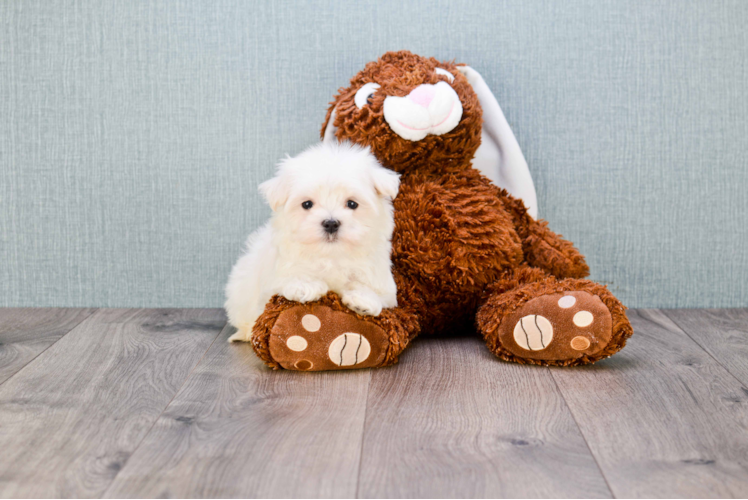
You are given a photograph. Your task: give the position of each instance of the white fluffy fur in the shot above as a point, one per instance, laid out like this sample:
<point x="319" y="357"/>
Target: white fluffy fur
<point x="293" y="256"/>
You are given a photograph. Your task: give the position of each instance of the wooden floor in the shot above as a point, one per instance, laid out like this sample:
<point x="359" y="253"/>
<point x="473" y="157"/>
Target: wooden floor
<point x="156" y="403"/>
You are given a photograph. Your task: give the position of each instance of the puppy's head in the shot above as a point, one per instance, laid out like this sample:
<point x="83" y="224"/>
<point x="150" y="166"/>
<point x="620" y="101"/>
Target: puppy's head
<point x="332" y="194"/>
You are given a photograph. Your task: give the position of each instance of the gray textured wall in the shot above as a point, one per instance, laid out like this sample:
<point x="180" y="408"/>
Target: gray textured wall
<point x="133" y="133"/>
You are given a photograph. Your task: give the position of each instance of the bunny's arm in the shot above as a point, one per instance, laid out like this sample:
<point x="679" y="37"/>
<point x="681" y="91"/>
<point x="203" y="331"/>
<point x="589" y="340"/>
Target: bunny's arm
<point x="542" y="247"/>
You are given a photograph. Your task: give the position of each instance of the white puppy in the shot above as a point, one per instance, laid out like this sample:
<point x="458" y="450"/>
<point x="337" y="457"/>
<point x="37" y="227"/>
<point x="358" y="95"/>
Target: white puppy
<point x="331" y="229"/>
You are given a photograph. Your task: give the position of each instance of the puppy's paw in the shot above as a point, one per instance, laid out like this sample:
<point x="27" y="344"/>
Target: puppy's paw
<point x="243" y="334"/>
<point x="363" y="301"/>
<point x="304" y="291"/>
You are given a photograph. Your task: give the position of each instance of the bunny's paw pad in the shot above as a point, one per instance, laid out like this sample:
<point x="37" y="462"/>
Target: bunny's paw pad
<point x="315" y="338"/>
<point x="558" y="327"/>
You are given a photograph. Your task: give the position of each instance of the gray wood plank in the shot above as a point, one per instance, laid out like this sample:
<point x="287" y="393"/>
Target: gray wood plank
<point x="239" y="429"/>
<point x="27" y="332"/>
<point x="72" y="417"/>
<point x="723" y="333"/>
<point x="451" y="420"/>
<point x="662" y="417"/>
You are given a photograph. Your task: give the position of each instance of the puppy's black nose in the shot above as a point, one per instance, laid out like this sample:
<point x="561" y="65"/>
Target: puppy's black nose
<point x="331" y="225"/>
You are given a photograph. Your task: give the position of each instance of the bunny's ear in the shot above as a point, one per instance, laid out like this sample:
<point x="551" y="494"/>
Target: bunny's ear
<point x="499" y="156"/>
<point x="328" y="135"/>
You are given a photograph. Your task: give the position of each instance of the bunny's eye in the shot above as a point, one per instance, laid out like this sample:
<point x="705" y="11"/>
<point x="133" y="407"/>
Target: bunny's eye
<point x="307" y="205"/>
<point x="365" y="94"/>
<point x="444" y="72"/>
<point x="352" y="205"/>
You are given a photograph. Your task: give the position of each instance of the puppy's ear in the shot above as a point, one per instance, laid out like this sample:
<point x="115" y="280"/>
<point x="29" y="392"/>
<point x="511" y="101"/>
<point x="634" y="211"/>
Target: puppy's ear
<point x="386" y="182"/>
<point x="275" y="192"/>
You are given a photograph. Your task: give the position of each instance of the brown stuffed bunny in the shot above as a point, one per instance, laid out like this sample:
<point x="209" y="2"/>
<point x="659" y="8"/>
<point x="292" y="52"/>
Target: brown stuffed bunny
<point x="465" y="252"/>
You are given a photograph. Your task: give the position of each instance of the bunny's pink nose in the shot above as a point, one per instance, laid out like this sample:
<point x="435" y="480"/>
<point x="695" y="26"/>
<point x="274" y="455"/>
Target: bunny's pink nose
<point x="422" y="95"/>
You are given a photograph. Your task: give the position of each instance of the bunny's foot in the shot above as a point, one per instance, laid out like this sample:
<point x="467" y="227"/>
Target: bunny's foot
<point x="548" y="322"/>
<point x="326" y="335"/>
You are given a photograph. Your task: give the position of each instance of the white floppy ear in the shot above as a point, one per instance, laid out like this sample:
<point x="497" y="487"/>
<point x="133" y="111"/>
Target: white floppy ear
<point x="275" y="192"/>
<point x="499" y="156"/>
<point x="386" y="182"/>
<point x="330" y="129"/>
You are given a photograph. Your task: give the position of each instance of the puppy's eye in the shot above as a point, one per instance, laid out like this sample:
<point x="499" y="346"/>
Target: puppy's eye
<point x="352" y="205"/>
<point x="307" y="205"/>
<point x="444" y="72"/>
<point x="365" y="94"/>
